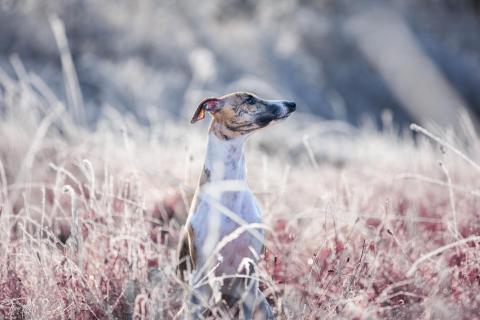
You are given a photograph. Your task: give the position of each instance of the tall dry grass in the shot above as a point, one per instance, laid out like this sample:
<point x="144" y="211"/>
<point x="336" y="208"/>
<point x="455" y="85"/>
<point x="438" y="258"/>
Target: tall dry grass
<point x="361" y="224"/>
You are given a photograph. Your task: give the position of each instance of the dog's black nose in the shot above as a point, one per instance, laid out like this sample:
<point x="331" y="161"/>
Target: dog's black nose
<point x="291" y="106"/>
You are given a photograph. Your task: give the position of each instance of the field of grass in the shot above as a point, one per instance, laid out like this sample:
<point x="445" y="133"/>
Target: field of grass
<point x="361" y="224"/>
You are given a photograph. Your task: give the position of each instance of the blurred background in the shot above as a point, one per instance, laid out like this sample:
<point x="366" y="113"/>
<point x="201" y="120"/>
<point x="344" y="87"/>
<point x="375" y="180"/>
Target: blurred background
<point x="343" y="60"/>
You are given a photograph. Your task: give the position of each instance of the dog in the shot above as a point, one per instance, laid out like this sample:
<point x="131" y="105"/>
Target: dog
<point x="223" y="236"/>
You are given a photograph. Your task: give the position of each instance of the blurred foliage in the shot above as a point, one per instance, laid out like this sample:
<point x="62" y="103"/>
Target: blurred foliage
<point x="160" y="58"/>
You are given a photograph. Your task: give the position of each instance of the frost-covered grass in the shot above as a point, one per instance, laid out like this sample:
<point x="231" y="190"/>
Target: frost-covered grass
<point x="361" y="224"/>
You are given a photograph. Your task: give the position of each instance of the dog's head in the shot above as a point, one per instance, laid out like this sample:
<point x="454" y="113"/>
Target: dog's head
<point x="242" y="113"/>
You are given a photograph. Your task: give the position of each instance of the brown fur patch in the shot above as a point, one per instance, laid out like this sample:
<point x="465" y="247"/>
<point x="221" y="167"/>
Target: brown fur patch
<point x="186" y="253"/>
<point x="205" y="178"/>
<point x="226" y="114"/>
<point x="222" y="132"/>
<point x="238" y="115"/>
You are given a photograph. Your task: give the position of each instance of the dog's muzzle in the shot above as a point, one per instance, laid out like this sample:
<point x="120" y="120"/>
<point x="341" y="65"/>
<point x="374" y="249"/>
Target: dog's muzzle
<point x="291" y="106"/>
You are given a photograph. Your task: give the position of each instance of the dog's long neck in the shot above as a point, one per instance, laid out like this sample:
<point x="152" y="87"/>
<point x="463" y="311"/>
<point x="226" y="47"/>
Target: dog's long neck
<point x="224" y="159"/>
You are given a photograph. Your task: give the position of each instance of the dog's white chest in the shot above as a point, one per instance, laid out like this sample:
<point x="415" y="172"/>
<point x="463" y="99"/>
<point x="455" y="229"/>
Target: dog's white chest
<point x="219" y="239"/>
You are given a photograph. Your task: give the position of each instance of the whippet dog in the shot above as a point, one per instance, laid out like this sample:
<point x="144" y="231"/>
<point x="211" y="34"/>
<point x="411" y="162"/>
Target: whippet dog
<point x="223" y="236"/>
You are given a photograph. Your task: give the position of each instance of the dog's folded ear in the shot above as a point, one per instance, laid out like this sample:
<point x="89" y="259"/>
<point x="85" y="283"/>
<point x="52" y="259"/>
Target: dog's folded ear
<point x="209" y="104"/>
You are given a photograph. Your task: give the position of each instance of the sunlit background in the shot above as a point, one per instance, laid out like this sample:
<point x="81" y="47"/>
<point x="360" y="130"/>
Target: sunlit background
<point x="365" y="218"/>
<point x="344" y="60"/>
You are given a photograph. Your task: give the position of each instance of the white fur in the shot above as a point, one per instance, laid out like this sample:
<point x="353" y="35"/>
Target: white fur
<point x="225" y="195"/>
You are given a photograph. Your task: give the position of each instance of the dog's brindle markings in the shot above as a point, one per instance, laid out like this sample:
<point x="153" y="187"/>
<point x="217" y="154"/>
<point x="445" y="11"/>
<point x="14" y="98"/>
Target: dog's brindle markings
<point x="223" y="234"/>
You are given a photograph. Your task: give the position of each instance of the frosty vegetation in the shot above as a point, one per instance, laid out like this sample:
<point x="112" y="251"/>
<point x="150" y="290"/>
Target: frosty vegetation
<point x="360" y="223"/>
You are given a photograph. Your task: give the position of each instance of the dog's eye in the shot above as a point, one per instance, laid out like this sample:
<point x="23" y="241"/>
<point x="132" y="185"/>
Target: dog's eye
<point x="250" y="100"/>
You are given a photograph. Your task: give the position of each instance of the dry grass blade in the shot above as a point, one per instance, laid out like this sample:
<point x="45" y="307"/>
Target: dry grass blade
<point x="438" y="251"/>
<point x="74" y="95"/>
<point x="417" y="128"/>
